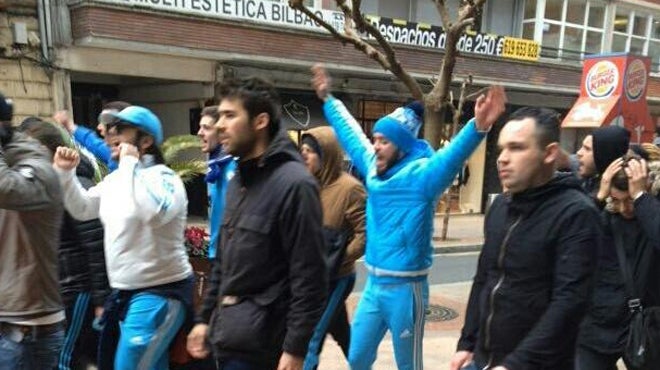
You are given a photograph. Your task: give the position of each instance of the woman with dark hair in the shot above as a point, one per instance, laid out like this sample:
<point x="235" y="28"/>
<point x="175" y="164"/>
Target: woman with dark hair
<point x="143" y="208"/>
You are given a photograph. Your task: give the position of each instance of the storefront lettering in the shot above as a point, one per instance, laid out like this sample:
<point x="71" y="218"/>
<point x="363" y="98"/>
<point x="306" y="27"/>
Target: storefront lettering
<point x="395" y="31"/>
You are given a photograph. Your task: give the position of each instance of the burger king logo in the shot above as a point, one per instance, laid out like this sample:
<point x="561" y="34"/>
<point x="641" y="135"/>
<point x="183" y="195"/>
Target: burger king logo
<point x="602" y="79"/>
<point x="635" y="80"/>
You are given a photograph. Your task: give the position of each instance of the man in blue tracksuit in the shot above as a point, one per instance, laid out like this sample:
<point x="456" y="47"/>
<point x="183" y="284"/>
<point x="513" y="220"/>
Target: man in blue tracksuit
<point x="404" y="178"/>
<point x="221" y="170"/>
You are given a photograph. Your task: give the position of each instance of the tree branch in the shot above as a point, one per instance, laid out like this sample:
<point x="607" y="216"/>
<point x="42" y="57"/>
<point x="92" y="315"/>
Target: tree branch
<point x="444" y="13"/>
<point x="389" y="53"/>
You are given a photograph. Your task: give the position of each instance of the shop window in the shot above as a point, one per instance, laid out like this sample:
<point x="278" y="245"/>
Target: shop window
<point x="636" y="45"/>
<point x="621" y="20"/>
<point x="528" y="30"/>
<point x="369" y="111"/>
<point x="654" y="53"/>
<point x="655" y="28"/>
<point x="397" y="9"/>
<point x="596" y="15"/>
<point x="593" y="42"/>
<point x="550" y="42"/>
<point x="553" y="9"/>
<point x="530" y="10"/>
<point x="572" y="41"/>
<point x="619" y="42"/>
<point x="575" y="11"/>
<point x="639" y="25"/>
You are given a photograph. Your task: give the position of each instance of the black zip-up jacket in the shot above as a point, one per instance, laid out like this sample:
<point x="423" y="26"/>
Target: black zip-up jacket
<point x="81" y="257"/>
<point x="271" y="251"/>
<point x="534" y="278"/>
<point x="605" y="327"/>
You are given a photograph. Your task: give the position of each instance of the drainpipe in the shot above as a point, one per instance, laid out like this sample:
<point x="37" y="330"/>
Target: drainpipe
<point x="49" y="28"/>
<point x="42" y="29"/>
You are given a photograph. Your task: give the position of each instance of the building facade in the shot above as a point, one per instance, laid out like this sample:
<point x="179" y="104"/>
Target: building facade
<point x="170" y="55"/>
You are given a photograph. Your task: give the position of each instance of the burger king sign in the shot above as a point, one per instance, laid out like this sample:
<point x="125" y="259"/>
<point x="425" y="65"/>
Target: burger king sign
<point x="602" y="79"/>
<point x="635" y="80"/>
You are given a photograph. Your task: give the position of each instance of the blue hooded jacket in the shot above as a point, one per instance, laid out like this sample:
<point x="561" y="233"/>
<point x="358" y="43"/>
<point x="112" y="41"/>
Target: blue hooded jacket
<point x="221" y="170"/>
<point x="401" y="203"/>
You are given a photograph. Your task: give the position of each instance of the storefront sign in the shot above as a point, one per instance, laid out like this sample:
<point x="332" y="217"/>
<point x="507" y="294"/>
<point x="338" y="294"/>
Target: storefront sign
<point x="395" y="31"/>
<point x="259" y="11"/>
<point x="429" y="36"/>
<point x="613" y="92"/>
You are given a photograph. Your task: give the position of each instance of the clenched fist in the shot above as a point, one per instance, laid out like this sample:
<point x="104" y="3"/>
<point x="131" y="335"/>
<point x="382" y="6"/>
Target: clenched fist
<point x="66" y="158"/>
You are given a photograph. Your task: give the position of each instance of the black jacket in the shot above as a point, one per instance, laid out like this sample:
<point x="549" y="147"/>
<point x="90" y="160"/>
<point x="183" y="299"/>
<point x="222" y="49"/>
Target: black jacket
<point x="81" y="257"/>
<point x="605" y="327"/>
<point x="271" y="253"/>
<point x="533" y="280"/>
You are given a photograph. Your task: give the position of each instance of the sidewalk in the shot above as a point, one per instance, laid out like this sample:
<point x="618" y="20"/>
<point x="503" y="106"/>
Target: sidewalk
<point x="465" y="233"/>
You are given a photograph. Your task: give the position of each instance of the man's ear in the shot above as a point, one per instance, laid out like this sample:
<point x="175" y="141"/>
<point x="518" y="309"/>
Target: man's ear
<point x="552" y="153"/>
<point x="145" y="142"/>
<point x="261" y="121"/>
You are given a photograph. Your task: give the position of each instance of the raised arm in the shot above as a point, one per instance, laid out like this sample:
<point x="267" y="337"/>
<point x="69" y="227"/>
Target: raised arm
<point x="445" y="163"/>
<point x="348" y="131"/>
<point x="82" y="204"/>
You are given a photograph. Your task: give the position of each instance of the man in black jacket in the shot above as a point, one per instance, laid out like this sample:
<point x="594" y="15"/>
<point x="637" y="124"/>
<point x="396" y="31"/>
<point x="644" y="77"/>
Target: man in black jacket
<point x="269" y="281"/>
<point x="534" y="275"/>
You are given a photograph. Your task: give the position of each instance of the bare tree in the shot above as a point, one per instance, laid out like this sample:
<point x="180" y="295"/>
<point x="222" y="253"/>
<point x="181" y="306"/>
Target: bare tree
<point x="438" y="100"/>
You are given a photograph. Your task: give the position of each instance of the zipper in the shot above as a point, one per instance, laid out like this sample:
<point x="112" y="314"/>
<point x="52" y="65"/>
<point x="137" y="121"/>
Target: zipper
<point x="500" y="265"/>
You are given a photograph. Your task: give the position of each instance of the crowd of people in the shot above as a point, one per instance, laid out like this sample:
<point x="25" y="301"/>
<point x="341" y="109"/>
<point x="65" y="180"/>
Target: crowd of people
<point x="93" y="268"/>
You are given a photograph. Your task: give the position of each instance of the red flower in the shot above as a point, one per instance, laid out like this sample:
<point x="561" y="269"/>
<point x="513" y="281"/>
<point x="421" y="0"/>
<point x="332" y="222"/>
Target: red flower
<point x="196" y="241"/>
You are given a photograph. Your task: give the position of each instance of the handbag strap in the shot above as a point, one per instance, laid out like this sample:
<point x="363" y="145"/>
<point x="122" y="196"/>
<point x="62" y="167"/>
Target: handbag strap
<point x="634" y="302"/>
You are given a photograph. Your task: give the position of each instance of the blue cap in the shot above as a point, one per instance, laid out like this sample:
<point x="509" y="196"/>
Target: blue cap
<point x="402" y="126"/>
<point x="144" y="119"/>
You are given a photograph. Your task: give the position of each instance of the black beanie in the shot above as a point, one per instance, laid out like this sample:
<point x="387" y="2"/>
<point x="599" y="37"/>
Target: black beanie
<point x="313" y="143"/>
<point x="6" y="109"/>
<point x="609" y="143"/>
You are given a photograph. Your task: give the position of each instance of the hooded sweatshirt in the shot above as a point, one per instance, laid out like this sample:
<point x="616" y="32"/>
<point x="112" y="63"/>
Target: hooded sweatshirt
<point x="342" y="197"/>
<point x="609" y="143"/>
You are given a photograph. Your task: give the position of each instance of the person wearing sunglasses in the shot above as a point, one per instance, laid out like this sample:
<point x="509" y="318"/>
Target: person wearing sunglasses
<point x="143" y="207"/>
<point x="104" y="147"/>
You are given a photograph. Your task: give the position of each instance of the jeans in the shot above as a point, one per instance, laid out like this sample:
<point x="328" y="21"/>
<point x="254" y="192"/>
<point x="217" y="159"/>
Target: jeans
<point x="24" y="351"/>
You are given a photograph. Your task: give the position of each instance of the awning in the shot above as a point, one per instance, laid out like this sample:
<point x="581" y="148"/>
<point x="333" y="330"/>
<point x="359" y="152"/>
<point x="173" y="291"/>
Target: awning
<point x="590" y="113"/>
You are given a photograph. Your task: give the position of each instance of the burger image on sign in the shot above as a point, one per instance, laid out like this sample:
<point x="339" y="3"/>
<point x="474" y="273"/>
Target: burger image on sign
<point x="602" y="79"/>
<point x="635" y="80"/>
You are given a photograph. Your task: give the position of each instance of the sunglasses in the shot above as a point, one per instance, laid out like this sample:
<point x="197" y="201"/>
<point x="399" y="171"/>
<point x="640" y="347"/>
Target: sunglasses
<point x="107" y="117"/>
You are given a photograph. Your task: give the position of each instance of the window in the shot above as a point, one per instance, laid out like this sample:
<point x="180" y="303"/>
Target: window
<point x="554" y="9"/>
<point x="637" y="32"/>
<point x="596" y="16"/>
<point x="397" y="9"/>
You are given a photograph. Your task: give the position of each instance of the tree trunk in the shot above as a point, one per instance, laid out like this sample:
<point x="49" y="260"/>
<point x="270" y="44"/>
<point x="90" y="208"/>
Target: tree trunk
<point x="434" y="127"/>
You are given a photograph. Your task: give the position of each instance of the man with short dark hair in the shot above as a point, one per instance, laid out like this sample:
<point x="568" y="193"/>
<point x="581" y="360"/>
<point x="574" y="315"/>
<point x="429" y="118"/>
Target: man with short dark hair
<point x="221" y="170"/>
<point x="598" y="150"/>
<point x="269" y="282"/>
<point x="31" y="311"/>
<point x="533" y="280"/>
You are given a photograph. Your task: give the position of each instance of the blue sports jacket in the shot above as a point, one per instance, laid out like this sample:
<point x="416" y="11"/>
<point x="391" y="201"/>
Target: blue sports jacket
<point x="96" y="145"/>
<point x="401" y="203"/>
<point x="221" y="170"/>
